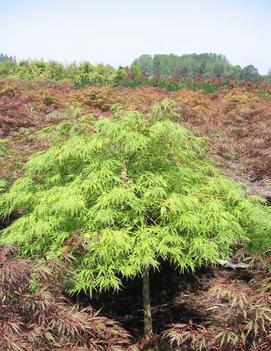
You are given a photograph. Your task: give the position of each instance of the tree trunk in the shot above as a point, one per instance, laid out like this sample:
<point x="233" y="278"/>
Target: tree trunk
<point x="147" y="303"/>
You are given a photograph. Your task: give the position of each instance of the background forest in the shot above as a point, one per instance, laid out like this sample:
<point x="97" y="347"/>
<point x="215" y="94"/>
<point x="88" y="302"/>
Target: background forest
<point x="169" y="71"/>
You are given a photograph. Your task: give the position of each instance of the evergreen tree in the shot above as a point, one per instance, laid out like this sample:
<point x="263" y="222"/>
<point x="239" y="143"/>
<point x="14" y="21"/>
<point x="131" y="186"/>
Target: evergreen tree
<point x="124" y="194"/>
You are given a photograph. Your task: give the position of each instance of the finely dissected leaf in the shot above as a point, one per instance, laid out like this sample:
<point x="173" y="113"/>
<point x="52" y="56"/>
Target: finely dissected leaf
<point x="128" y="192"/>
<point x="36" y="316"/>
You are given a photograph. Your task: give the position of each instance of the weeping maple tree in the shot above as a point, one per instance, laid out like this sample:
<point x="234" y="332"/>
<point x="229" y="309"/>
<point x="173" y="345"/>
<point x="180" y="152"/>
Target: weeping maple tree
<point x="123" y="194"/>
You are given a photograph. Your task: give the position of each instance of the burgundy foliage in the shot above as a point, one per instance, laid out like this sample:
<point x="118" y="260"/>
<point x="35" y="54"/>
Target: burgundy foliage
<point x="35" y="316"/>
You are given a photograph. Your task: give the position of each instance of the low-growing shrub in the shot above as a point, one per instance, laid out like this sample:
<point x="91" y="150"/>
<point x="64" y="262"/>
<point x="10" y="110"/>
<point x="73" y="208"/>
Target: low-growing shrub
<point x="239" y="320"/>
<point x="35" y="316"/>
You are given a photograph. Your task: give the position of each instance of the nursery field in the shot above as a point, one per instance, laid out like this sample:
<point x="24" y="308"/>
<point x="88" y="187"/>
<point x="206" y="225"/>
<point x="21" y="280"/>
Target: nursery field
<point x="149" y="206"/>
<point x="236" y="121"/>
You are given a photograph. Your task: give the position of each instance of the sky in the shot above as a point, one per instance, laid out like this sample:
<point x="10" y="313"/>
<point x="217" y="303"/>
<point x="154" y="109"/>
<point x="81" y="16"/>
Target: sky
<point x="118" y="31"/>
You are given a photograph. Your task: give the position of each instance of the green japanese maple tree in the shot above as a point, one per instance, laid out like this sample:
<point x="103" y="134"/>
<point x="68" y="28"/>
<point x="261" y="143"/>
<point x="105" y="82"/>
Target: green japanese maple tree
<point x="123" y="194"/>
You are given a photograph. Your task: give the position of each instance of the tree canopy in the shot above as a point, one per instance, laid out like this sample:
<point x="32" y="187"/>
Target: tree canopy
<point x="123" y="193"/>
<point x="145" y="69"/>
<point x="188" y="66"/>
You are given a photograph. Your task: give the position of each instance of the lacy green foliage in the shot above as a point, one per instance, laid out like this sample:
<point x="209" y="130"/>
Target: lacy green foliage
<point x="35" y="316"/>
<point x="128" y="192"/>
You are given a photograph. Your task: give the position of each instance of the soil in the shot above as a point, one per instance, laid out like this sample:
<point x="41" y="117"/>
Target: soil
<point x="175" y="298"/>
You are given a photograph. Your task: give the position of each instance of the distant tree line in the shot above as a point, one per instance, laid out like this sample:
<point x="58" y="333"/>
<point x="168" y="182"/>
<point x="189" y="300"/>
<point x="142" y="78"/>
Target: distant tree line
<point x="6" y="58"/>
<point x="190" y="66"/>
<point x="172" y="72"/>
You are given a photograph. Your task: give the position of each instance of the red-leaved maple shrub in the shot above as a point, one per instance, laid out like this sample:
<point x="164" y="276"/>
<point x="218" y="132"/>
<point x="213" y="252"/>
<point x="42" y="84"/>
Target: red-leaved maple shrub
<point x="239" y="314"/>
<point x="36" y="316"/>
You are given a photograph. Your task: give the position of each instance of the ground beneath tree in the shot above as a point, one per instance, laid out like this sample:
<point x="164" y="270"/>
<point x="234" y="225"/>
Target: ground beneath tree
<point x="175" y="298"/>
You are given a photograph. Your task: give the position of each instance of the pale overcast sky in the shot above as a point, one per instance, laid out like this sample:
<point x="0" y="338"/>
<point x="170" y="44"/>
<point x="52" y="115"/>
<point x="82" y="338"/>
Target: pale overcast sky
<point x="118" y="31"/>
